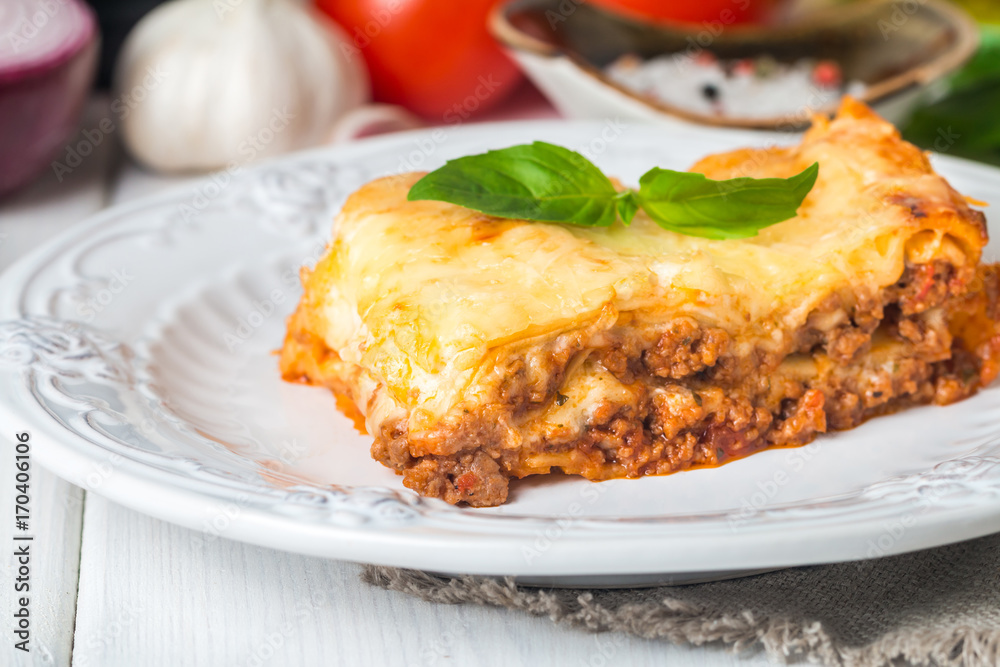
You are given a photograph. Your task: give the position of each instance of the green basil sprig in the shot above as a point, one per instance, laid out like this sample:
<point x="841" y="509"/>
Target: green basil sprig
<point x="548" y="183"/>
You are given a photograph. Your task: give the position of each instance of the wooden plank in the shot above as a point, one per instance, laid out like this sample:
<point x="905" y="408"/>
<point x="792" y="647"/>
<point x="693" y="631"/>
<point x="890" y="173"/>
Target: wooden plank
<point x="155" y="594"/>
<point x="27" y="219"/>
<point x="55" y="511"/>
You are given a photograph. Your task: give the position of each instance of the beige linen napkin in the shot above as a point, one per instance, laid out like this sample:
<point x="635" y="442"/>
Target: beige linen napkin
<point x="940" y="606"/>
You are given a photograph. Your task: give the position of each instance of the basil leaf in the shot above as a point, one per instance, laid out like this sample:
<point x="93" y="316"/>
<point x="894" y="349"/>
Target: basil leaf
<point x="737" y="208"/>
<point x="627" y="206"/>
<point x="549" y="183"/>
<point x="537" y="181"/>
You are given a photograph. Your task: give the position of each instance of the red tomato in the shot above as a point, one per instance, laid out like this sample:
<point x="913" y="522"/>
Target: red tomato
<point x="724" y="11"/>
<point x="434" y="57"/>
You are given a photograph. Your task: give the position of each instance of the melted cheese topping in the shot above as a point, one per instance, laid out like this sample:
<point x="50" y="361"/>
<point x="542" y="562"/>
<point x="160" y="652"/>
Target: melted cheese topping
<point x="425" y="295"/>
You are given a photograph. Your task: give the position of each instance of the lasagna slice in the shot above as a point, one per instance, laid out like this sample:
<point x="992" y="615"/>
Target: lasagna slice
<point x="482" y="349"/>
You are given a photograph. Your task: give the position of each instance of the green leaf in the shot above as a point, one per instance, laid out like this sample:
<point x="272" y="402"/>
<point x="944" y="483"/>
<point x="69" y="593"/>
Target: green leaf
<point x="984" y="67"/>
<point x="627" y="206"/>
<point x="536" y="181"/>
<point x="695" y="205"/>
<point x="965" y="122"/>
<point x="549" y="183"/>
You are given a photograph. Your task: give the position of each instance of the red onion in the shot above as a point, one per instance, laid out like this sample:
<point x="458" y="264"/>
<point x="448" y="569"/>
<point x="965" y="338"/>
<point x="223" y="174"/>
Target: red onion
<point x="48" y="56"/>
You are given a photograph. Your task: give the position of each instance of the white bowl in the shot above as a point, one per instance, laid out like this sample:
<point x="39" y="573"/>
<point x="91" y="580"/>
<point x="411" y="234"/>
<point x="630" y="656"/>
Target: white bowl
<point x="564" y="47"/>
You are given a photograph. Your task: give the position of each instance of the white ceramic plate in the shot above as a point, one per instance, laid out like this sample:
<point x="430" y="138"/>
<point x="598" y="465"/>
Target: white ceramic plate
<point x="137" y="348"/>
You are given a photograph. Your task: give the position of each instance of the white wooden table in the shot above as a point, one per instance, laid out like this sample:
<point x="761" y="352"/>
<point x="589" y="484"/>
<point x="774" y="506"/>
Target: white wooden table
<point x="113" y="587"/>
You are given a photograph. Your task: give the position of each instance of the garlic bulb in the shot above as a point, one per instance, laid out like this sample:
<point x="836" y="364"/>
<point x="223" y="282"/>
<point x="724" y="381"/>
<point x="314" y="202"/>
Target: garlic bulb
<point x="209" y="84"/>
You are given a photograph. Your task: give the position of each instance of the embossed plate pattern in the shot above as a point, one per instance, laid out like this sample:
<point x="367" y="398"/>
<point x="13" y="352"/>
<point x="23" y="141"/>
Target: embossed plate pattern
<point x="138" y="348"/>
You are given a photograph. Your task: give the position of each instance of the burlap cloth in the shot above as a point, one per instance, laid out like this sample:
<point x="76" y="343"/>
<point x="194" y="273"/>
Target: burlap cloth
<point x="939" y="607"/>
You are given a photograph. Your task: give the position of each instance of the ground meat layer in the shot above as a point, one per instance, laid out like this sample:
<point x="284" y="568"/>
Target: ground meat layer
<point x="666" y="428"/>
